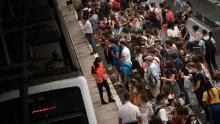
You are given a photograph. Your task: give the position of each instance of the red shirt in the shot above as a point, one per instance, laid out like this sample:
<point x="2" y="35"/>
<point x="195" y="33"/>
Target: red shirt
<point x="170" y="16"/>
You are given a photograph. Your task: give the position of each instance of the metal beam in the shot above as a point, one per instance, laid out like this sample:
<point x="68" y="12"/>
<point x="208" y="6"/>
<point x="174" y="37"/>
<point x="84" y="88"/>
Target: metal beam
<point x="13" y="77"/>
<point x="13" y="66"/>
<point x="16" y="29"/>
<point x="4" y="45"/>
<point x="23" y="84"/>
<point x="11" y="8"/>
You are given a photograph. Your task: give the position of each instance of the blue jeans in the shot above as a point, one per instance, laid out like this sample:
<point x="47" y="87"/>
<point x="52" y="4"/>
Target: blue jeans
<point x="89" y="37"/>
<point x="214" y="110"/>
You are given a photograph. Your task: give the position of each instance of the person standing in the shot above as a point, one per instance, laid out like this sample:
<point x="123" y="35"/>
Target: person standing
<point x="129" y="113"/>
<point x="98" y="71"/>
<point x="212" y="100"/>
<point x="153" y="76"/>
<point x="208" y="43"/>
<point x="88" y="30"/>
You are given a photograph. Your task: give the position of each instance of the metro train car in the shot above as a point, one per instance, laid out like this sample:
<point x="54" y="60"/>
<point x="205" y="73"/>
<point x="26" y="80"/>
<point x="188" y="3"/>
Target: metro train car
<point x="41" y="54"/>
<point x="59" y="102"/>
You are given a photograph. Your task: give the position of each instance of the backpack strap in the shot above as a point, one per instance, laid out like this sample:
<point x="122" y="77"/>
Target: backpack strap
<point x="157" y="111"/>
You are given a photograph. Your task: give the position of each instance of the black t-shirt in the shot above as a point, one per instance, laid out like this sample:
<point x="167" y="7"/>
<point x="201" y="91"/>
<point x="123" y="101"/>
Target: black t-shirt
<point x="199" y="77"/>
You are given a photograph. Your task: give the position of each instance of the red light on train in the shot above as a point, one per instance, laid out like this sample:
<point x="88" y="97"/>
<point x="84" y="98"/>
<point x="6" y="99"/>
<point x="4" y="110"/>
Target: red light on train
<point x="41" y="110"/>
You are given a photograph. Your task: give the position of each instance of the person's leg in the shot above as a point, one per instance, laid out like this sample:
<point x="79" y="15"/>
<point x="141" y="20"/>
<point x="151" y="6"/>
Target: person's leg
<point x="208" y="61"/>
<point x="213" y="61"/>
<point x="89" y="37"/>
<point x="100" y="88"/>
<point x="105" y="84"/>
<point x="214" y="112"/>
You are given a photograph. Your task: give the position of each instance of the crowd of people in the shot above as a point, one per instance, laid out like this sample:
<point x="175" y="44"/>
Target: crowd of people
<point x="164" y="67"/>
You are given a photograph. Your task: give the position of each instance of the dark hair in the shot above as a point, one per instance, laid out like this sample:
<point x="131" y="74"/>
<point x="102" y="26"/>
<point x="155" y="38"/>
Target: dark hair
<point x="123" y="43"/>
<point x="204" y="32"/>
<point x="147" y="7"/>
<point x="160" y="97"/>
<point x="189" y="117"/>
<point x="173" y="56"/>
<point x="161" y="5"/>
<point x="170" y="25"/>
<point x="126" y="96"/>
<point x="155" y="120"/>
<point x="211" y="34"/>
<point x="96" y="62"/>
<point x="153" y="4"/>
<point x="195" y="59"/>
<point x="169" y="42"/>
<point x="195" y="27"/>
<point x="182" y="111"/>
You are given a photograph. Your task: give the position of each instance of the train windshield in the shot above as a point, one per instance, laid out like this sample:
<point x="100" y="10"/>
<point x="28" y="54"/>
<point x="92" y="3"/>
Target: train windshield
<point x="61" y="106"/>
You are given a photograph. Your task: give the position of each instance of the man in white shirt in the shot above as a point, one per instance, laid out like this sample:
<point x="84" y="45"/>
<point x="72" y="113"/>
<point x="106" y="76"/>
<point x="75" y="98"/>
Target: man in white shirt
<point x="129" y="113"/>
<point x="125" y="51"/>
<point x="88" y="31"/>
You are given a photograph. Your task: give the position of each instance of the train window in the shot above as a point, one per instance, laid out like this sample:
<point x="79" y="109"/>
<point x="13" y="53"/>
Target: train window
<point x="61" y="106"/>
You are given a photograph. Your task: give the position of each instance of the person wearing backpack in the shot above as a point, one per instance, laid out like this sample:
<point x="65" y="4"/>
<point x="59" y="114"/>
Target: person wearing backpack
<point x="160" y="112"/>
<point x="208" y="43"/>
<point x="154" y="16"/>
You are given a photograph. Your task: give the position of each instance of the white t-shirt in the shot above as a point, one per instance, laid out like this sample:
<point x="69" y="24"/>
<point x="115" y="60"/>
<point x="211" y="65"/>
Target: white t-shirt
<point x="163" y="114"/>
<point x="173" y="32"/>
<point x="129" y="113"/>
<point x="87" y="28"/>
<point x="126" y="53"/>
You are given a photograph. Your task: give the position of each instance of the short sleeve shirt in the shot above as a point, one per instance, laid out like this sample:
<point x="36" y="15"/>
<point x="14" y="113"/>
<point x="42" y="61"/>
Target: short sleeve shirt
<point x="129" y="113"/>
<point x="116" y="61"/>
<point x="163" y="115"/>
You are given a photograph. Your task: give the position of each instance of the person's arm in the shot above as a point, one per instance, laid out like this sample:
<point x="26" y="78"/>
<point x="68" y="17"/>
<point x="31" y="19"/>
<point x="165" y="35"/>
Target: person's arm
<point x="171" y="79"/>
<point x="197" y="36"/>
<point x="205" y="98"/>
<point x="213" y="41"/>
<point x="120" y="121"/>
<point x="139" y="118"/>
<point x="197" y="85"/>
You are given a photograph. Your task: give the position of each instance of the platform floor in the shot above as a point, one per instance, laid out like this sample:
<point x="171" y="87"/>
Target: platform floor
<point x="105" y="114"/>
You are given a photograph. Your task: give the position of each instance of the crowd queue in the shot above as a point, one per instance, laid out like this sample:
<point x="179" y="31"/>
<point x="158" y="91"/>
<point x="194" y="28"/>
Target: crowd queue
<point x="164" y="68"/>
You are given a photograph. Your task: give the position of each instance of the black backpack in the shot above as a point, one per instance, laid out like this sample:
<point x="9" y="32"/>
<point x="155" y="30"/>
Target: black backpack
<point x="155" y="116"/>
<point x="152" y="16"/>
<point x="209" y="46"/>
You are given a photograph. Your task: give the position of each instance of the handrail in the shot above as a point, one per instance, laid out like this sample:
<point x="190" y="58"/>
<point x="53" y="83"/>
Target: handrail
<point x="68" y="40"/>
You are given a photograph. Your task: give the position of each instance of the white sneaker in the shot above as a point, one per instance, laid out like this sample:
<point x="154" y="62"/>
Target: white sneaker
<point x="117" y="83"/>
<point x="97" y="44"/>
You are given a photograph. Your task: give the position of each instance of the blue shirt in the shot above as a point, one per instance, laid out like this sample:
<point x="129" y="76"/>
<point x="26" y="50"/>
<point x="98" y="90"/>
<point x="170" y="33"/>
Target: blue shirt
<point x="126" y="69"/>
<point x="116" y="61"/>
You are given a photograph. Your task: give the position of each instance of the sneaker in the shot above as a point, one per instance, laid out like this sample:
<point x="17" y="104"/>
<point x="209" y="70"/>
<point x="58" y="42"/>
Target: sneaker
<point x="104" y="103"/>
<point x="202" y="112"/>
<point x="97" y="44"/>
<point x="92" y="53"/>
<point x="112" y="100"/>
<point x="117" y="83"/>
